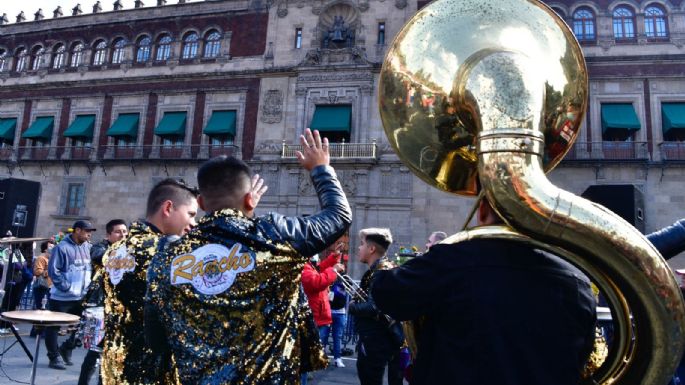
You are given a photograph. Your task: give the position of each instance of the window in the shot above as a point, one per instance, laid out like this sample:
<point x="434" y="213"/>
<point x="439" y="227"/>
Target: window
<point x="221" y="140"/>
<point x="584" y="24"/>
<point x="118" y="53"/>
<point x="298" y="37"/>
<point x="655" y="22"/>
<point x="100" y="53"/>
<point x="163" y="48"/>
<point x="143" y="49"/>
<point x="624" y="25"/>
<point x="21" y="60"/>
<point x="3" y="60"/>
<point x="213" y="44"/>
<point x="190" y="44"/>
<point x="58" y="59"/>
<point x="75" y="199"/>
<point x="76" y="55"/>
<point x="124" y="141"/>
<point x="381" y="33"/>
<point x="37" y="62"/>
<point x="170" y="141"/>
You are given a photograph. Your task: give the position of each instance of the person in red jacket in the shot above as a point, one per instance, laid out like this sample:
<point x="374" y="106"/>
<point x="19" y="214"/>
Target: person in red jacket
<point x="315" y="283"/>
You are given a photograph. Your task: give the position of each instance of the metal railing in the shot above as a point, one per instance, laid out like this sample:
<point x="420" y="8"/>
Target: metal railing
<point x="197" y="151"/>
<point x="608" y="151"/>
<point x="672" y="150"/>
<point x="338" y="150"/>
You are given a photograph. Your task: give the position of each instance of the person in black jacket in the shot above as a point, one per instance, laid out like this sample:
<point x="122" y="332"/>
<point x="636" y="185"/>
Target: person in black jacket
<point x="225" y="299"/>
<point x="379" y="343"/>
<point x="495" y="312"/>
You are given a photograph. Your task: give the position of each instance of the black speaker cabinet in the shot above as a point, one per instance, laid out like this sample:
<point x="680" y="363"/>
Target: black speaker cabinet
<point x="623" y="199"/>
<point x="18" y="207"/>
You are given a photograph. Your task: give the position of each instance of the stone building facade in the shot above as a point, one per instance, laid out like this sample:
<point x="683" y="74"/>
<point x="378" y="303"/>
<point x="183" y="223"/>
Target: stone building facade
<point x="106" y="103"/>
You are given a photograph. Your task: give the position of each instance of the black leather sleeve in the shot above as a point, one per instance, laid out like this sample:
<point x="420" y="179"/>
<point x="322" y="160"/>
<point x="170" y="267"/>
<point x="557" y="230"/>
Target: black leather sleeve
<point x="670" y="240"/>
<point x="364" y="309"/>
<point x="311" y="235"/>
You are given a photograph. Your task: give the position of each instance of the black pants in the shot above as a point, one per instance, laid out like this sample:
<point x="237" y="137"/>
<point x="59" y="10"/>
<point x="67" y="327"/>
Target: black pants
<point x="88" y="368"/>
<point x="71" y="307"/>
<point x="373" y="355"/>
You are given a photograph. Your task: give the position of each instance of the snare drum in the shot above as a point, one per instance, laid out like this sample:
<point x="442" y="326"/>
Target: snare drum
<point x="93" y="327"/>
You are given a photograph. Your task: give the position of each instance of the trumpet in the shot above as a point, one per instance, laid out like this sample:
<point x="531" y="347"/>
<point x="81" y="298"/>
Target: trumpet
<point x="352" y="288"/>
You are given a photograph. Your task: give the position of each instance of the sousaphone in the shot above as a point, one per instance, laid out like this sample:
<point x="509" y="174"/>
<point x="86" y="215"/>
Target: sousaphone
<point x="495" y="91"/>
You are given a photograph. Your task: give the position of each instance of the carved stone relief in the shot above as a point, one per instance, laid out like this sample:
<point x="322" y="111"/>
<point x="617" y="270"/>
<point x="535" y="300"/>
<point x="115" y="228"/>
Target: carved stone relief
<point x="272" y="109"/>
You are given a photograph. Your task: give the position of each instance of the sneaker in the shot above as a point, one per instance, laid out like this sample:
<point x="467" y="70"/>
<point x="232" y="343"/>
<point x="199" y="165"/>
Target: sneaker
<point x="56" y="363"/>
<point x="338" y="363"/>
<point x="66" y="355"/>
<point x="5" y="331"/>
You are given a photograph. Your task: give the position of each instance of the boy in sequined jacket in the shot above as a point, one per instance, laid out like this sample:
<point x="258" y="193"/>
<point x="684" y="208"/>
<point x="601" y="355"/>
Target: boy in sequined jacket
<point x="171" y="209"/>
<point x="225" y="298"/>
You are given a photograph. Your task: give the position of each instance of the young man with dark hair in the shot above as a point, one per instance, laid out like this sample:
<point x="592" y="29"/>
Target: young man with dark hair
<point x="70" y="271"/>
<point x="379" y="344"/>
<point x="225" y="298"/>
<point x="171" y="210"/>
<point x="495" y="311"/>
<point x="116" y="231"/>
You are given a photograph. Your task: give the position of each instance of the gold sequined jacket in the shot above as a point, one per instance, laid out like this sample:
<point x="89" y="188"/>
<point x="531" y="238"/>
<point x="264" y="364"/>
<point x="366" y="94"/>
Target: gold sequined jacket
<point x="125" y="358"/>
<point x="228" y="297"/>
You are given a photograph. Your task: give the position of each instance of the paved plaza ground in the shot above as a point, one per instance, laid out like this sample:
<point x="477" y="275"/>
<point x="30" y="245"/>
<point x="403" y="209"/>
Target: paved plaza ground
<point x="15" y="367"/>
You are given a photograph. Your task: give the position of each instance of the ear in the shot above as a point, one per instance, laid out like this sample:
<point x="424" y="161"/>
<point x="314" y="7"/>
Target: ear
<point x="201" y="202"/>
<point x="249" y="202"/>
<point x="167" y="207"/>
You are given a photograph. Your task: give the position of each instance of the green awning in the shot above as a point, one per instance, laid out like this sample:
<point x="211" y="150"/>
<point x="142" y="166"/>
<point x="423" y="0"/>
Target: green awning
<point x="81" y="127"/>
<point x="173" y="123"/>
<point x="125" y="125"/>
<point x="41" y="128"/>
<point x="672" y="116"/>
<point x="619" y="117"/>
<point x="7" y="127"/>
<point x="332" y="118"/>
<point x="221" y="123"/>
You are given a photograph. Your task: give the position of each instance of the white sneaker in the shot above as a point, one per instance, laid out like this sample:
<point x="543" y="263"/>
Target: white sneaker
<point x="339" y="363"/>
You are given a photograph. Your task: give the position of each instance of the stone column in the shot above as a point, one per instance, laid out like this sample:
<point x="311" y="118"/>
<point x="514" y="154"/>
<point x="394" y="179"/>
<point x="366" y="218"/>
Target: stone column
<point x="301" y="94"/>
<point x="366" y="91"/>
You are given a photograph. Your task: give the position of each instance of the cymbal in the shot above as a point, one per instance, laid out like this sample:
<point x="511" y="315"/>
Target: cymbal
<point x="14" y="240"/>
<point x="40" y="317"/>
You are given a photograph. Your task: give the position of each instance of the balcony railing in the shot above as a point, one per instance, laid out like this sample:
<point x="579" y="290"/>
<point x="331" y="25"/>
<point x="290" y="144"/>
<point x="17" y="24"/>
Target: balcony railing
<point x="672" y="150"/>
<point x="608" y="151"/>
<point x="338" y="150"/>
<point x="6" y="153"/>
<point x="204" y="151"/>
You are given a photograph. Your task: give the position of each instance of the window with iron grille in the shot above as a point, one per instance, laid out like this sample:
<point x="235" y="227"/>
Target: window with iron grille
<point x="213" y="44"/>
<point x="74" y="198"/>
<point x="190" y="45"/>
<point x="163" y="48"/>
<point x="584" y="24"/>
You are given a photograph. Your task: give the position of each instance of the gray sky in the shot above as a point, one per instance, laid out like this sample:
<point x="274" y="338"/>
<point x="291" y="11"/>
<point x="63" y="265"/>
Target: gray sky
<point x="13" y="7"/>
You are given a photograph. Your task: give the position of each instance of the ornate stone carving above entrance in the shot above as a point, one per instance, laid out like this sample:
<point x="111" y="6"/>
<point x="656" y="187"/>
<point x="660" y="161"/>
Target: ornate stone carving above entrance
<point x="272" y="109"/>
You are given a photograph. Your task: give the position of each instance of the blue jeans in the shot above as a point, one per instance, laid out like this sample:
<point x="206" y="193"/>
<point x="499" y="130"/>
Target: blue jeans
<point x="338" y="327"/>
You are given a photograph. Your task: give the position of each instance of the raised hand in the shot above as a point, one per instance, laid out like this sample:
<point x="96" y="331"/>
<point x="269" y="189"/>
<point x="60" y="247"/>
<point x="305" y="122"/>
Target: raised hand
<point x="258" y="188"/>
<point x="314" y="150"/>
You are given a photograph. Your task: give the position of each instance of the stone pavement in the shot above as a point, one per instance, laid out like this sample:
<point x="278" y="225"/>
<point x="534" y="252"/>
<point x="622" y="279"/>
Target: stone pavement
<point x="15" y="367"/>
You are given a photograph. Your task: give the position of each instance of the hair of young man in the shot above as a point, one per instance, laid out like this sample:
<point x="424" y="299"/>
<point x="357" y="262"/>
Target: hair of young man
<point x="223" y="182"/>
<point x="169" y="189"/>
<point x="44" y="246"/>
<point x="439" y="236"/>
<point x="379" y="237"/>
<point x="109" y="227"/>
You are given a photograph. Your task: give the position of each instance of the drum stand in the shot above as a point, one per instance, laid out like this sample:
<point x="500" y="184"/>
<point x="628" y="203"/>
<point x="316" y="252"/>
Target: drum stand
<point x="6" y="276"/>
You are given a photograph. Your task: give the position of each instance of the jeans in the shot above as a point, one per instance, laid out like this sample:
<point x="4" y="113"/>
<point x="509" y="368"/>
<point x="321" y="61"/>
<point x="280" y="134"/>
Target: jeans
<point x="88" y="368"/>
<point x="338" y="327"/>
<point x="71" y="307"/>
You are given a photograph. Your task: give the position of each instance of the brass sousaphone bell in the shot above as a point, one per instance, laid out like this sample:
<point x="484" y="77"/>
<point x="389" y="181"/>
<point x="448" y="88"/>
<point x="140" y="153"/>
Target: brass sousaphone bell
<point x="495" y="91"/>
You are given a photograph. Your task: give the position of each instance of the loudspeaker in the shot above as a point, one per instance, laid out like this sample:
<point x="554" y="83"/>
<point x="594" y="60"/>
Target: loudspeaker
<point x="18" y="207"/>
<point x="623" y="199"/>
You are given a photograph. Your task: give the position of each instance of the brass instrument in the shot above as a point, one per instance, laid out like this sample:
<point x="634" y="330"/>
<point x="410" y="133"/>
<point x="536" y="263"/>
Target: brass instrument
<point x="495" y="91"/>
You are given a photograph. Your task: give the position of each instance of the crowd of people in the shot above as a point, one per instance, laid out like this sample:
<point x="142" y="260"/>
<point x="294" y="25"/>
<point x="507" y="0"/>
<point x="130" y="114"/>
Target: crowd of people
<point x="236" y="298"/>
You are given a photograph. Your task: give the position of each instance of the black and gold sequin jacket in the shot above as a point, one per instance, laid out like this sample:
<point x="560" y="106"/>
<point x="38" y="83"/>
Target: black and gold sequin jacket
<point x="227" y="296"/>
<point x="125" y="357"/>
